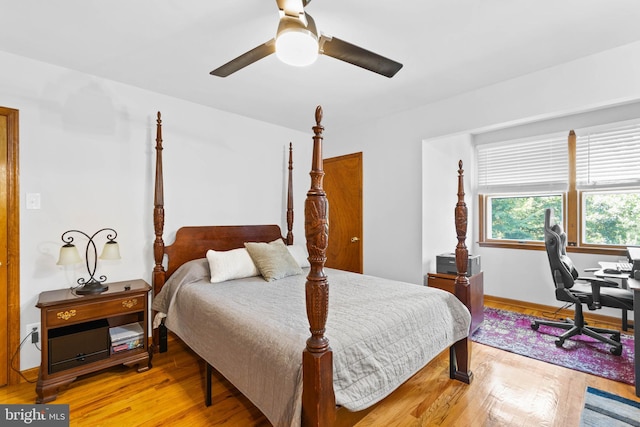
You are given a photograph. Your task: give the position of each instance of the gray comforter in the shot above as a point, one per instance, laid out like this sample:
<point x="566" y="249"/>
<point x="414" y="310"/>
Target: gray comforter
<point x="253" y="332"/>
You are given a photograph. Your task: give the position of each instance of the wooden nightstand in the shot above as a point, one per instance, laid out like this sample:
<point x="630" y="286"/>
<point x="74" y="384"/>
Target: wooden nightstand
<point x="473" y="296"/>
<point x="75" y="333"/>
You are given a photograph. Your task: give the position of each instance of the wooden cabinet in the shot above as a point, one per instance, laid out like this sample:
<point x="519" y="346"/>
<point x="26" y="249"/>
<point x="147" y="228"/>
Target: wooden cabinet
<point x="472" y="296"/>
<point x="76" y="333"/>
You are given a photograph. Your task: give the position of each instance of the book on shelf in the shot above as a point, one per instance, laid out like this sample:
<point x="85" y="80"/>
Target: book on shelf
<point x="126" y="337"/>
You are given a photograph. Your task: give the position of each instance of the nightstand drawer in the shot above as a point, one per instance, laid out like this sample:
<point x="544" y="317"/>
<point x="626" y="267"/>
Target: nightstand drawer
<point x="446" y="284"/>
<point x="81" y="312"/>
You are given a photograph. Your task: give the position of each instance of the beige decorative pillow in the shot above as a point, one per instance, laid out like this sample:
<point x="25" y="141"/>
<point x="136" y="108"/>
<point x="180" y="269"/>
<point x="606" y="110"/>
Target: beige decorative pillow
<point x="229" y="265"/>
<point x="273" y="259"/>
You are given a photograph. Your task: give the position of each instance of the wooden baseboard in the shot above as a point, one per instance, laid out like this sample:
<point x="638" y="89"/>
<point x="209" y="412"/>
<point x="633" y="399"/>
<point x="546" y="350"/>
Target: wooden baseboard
<point x="614" y="322"/>
<point x="30" y="375"/>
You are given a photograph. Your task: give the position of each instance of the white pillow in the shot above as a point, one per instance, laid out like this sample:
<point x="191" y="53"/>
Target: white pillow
<point x="300" y="254"/>
<point x="229" y="265"/>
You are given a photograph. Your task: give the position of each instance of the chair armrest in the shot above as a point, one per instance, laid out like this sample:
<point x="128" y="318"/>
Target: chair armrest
<point x="601" y="282"/>
<point x="596" y="283"/>
<point x="595" y="292"/>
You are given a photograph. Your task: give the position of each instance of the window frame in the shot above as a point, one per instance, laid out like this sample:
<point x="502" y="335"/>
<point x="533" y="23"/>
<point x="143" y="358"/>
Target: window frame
<point x="572" y="216"/>
<point x="486" y="209"/>
<point x="581" y="228"/>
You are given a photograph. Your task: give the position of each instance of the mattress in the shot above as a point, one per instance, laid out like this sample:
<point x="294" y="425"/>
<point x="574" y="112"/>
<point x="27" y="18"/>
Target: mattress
<point x="253" y="332"/>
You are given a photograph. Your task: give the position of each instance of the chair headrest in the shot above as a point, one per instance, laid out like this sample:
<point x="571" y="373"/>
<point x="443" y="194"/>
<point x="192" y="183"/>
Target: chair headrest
<point x="555" y="241"/>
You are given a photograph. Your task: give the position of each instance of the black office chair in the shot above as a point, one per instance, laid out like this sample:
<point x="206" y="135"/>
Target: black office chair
<point x="594" y="292"/>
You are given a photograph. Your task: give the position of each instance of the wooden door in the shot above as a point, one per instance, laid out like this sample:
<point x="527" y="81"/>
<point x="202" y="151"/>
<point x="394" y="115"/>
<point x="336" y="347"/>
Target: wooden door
<point x="343" y="185"/>
<point x="9" y="245"/>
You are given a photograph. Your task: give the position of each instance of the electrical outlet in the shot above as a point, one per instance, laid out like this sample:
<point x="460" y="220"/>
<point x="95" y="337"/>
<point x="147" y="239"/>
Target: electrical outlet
<point x="34" y="330"/>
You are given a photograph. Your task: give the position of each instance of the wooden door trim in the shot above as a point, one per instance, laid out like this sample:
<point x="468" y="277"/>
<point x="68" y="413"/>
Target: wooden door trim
<point x="13" y="242"/>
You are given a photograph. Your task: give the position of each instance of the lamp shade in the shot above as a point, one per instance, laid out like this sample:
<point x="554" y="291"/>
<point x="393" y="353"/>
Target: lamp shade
<point x="110" y="251"/>
<point x="296" y="44"/>
<point x="69" y="255"/>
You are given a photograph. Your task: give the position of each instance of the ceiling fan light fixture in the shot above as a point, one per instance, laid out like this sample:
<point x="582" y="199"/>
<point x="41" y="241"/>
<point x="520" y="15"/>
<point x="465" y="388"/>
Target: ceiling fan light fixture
<point x="295" y="44"/>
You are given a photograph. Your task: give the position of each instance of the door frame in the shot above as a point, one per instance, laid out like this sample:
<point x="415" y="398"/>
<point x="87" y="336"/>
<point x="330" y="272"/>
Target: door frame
<point x="13" y="242"/>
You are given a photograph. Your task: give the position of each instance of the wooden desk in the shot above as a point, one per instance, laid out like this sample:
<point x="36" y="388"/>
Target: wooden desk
<point x="634" y="285"/>
<point x="623" y="277"/>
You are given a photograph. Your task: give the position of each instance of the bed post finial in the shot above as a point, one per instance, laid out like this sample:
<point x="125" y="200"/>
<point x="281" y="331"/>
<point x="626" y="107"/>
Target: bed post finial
<point x="290" y="198"/>
<point x="318" y="399"/>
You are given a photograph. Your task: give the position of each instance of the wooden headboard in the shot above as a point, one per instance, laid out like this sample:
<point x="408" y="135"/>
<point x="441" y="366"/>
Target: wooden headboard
<point x="193" y="242"/>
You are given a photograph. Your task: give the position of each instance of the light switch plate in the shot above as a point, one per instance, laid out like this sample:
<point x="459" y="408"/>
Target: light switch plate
<point x="33" y="200"/>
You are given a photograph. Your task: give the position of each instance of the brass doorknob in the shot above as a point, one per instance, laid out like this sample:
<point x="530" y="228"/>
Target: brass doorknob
<point x="354" y="239"/>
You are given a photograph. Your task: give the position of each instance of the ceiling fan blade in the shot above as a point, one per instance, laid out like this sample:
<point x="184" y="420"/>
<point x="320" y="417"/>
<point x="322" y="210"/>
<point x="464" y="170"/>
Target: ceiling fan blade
<point x="355" y="55"/>
<point x="245" y="59"/>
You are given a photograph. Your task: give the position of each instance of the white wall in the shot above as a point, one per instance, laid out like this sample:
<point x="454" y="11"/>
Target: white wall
<point x="77" y="129"/>
<point x="393" y="161"/>
<point x="87" y="147"/>
<point x="439" y="201"/>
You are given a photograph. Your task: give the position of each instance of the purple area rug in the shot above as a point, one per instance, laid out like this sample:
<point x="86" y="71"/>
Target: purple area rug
<point x="512" y="332"/>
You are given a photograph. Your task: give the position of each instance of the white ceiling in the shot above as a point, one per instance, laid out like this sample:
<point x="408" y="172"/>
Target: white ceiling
<point x="447" y="47"/>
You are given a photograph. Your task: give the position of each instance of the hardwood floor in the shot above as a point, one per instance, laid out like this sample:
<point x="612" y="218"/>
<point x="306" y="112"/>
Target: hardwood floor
<point x="507" y="390"/>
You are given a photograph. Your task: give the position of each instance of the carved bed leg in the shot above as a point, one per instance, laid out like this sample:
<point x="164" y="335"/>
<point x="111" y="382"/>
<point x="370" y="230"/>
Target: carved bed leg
<point x="318" y="399"/>
<point x="162" y="338"/>
<point x="159" y="274"/>
<point x="460" y="352"/>
<point x="208" y="373"/>
<point x="459" y="361"/>
<point x="318" y="408"/>
<point x="290" y="198"/>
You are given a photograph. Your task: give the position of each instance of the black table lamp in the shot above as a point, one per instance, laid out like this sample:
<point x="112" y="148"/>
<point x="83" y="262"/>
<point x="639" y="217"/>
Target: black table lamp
<point x="69" y="255"/>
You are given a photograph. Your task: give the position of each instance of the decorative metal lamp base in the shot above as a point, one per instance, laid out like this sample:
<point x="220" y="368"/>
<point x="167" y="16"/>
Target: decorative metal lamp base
<point x="91" y="288"/>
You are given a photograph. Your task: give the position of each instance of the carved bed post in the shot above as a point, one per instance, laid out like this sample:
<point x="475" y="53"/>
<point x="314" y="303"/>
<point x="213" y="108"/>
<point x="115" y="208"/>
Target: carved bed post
<point x="318" y="399"/>
<point x="290" y="199"/>
<point x="159" y="335"/>
<point x="461" y="350"/>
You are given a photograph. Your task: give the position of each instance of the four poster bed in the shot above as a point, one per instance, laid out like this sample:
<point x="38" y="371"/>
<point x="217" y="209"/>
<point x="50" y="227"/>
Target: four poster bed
<point x="253" y="327"/>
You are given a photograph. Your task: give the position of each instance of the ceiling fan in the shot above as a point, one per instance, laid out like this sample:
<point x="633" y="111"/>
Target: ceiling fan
<point x="298" y="42"/>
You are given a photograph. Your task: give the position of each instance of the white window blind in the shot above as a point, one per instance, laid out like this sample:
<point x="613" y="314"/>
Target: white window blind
<point x="608" y="157"/>
<point x="521" y="166"/>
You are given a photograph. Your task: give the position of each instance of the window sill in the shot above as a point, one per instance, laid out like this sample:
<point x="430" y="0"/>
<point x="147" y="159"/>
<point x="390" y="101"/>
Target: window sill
<point x="539" y="246"/>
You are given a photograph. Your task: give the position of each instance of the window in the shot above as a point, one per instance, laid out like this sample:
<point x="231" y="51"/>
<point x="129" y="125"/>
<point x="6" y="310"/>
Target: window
<point x="608" y="180"/>
<point x="518" y="180"/>
<point x="520" y="217"/>
<point x="611" y="218"/>
<point x="591" y="178"/>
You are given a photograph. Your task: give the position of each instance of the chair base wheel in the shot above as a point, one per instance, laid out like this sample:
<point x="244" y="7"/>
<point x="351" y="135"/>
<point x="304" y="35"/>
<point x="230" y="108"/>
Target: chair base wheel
<point x="535" y="326"/>
<point x="616" y="351"/>
<point x="559" y="343"/>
